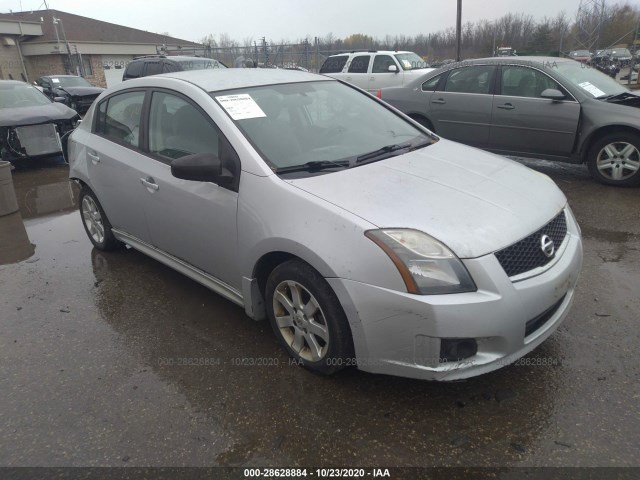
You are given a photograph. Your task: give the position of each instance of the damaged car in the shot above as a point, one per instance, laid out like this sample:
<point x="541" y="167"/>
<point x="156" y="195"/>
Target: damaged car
<point x="31" y="125"/>
<point x="538" y="107"/>
<point x="74" y="91"/>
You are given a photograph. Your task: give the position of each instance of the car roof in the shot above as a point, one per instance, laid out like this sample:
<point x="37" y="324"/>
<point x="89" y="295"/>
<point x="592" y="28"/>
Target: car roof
<point x="388" y="52"/>
<point x="61" y="76"/>
<point x="13" y="82"/>
<point x="215" y="80"/>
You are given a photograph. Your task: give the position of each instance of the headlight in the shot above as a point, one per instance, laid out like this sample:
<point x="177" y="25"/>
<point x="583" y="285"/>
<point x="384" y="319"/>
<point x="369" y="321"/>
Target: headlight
<point x="426" y="265"/>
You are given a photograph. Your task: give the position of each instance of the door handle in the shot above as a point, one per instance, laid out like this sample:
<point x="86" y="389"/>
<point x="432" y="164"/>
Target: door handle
<point x="440" y="101"/>
<point x="94" y="157"/>
<point x="372" y="79"/>
<point x="149" y="183"/>
<point x="506" y="106"/>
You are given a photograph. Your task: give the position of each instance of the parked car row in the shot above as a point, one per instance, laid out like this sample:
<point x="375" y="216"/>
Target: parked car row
<point x="534" y="107"/>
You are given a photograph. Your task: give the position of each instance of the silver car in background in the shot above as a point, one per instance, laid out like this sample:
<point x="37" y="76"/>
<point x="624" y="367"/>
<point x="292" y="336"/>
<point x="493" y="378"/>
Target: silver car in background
<point x="540" y="107"/>
<point x="364" y="238"/>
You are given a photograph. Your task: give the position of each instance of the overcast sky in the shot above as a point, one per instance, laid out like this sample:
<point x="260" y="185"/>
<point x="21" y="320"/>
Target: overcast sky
<point x="293" y="19"/>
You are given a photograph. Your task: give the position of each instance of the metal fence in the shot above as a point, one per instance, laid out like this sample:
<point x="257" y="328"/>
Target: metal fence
<point x="306" y="55"/>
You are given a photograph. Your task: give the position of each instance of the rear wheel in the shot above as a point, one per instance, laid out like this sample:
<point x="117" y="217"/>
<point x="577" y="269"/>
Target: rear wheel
<point x="307" y="318"/>
<point x="96" y="223"/>
<point x="615" y="159"/>
<point x="423" y="121"/>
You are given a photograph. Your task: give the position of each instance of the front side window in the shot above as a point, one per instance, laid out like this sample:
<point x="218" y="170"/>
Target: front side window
<point x="121" y="118"/>
<point x="382" y="63"/>
<point x="177" y="128"/>
<point x="525" y="82"/>
<point x="324" y="121"/>
<point x="476" y="79"/>
<point x="360" y="64"/>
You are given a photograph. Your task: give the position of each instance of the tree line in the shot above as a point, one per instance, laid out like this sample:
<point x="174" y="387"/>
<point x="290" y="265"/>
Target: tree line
<point x="614" y="25"/>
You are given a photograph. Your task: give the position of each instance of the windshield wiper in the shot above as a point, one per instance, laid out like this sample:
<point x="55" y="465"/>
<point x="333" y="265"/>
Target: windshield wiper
<point x="382" y="151"/>
<point x="314" y="166"/>
<point x="612" y="96"/>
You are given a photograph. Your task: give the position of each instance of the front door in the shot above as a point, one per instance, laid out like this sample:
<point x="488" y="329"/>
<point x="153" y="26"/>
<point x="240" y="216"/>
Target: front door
<point x="523" y="122"/>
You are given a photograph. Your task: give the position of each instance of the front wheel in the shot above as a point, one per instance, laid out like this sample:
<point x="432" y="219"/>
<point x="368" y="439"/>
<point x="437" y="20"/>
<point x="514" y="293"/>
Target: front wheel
<point x="307" y="318"/>
<point x="615" y="159"/>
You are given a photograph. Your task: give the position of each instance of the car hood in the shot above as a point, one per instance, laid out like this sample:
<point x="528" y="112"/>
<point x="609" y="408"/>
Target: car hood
<point x="53" y="112"/>
<point x="82" y="91"/>
<point x="473" y="201"/>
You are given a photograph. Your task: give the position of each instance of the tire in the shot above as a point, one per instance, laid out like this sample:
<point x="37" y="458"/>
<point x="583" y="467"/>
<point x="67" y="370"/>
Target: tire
<point x="615" y="159"/>
<point x="320" y="341"/>
<point x="424" y="122"/>
<point x="96" y="223"/>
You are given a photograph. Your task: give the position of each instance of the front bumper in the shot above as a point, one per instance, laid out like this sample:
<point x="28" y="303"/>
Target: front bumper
<point x="400" y="334"/>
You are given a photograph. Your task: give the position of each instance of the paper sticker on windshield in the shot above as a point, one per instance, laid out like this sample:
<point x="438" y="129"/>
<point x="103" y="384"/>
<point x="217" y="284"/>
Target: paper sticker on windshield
<point x="592" y="89"/>
<point x="241" y="107"/>
<point x="55" y="80"/>
<point x="406" y="64"/>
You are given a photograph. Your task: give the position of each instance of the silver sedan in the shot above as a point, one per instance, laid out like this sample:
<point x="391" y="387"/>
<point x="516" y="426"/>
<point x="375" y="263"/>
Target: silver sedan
<point x="365" y="239"/>
<point x="540" y="107"/>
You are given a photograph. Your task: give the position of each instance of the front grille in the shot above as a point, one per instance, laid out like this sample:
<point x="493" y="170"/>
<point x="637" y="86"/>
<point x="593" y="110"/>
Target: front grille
<point x="536" y="323"/>
<point x="527" y="254"/>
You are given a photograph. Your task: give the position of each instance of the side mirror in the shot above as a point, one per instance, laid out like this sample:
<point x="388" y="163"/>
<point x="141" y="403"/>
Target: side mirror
<point x="393" y="68"/>
<point x="201" y="167"/>
<point x="553" y="94"/>
<point x="59" y="99"/>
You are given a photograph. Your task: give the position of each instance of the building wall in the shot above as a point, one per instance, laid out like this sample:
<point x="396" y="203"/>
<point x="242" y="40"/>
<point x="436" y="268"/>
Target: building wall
<point x="40" y="65"/>
<point x="97" y="68"/>
<point x="10" y="63"/>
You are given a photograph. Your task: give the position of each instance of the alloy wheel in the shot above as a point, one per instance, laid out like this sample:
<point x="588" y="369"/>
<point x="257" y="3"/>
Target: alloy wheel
<point x="92" y="219"/>
<point x="618" y="161"/>
<point x="301" y="321"/>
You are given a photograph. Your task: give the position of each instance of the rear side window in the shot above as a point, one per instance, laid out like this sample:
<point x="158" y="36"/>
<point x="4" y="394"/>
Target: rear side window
<point x="432" y="84"/>
<point x="360" y="64"/>
<point x="152" y="68"/>
<point x="471" y="80"/>
<point x="382" y="63"/>
<point x="119" y="118"/>
<point x="134" y="69"/>
<point x="334" y="64"/>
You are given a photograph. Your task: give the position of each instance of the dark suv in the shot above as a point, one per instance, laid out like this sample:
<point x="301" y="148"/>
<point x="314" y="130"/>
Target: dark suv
<point x="155" y="64"/>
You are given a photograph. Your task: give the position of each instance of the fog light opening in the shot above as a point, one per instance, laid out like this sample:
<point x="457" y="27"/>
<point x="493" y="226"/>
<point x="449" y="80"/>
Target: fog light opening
<point x="457" y="349"/>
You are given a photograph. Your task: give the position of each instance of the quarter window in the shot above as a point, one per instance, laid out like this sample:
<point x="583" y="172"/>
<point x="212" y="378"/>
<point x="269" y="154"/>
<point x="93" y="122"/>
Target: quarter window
<point x="360" y="64"/>
<point x="334" y="64"/>
<point x="525" y="82"/>
<point x="471" y="80"/>
<point x="119" y="117"/>
<point x="432" y="84"/>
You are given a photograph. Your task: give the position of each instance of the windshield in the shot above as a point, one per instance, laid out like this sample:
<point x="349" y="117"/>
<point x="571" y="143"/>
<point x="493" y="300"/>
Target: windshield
<point x="326" y="121"/>
<point x="199" y="63"/>
<point x="70" y="82"/>
<point x="589" y="80"/>
<point x="15" y="95"/>
<point x="411" y="61"/>
<point x="581" y="53"/>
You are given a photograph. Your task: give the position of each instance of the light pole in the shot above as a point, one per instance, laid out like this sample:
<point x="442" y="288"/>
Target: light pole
<point x="459" y="31"/>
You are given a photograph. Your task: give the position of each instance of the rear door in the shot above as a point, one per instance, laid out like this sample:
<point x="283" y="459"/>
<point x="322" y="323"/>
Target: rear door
<point x="116" y="163"/>
<point x="523" y="122"/>
<point x="461" y="109"/>
<point x="358" y="71"/>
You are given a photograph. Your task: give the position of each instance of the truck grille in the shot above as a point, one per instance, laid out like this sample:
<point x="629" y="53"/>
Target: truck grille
<point x="527" y="254"/>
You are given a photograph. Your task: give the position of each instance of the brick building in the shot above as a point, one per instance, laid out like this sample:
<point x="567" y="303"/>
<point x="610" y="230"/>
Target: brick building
<point x="46" y="42"/>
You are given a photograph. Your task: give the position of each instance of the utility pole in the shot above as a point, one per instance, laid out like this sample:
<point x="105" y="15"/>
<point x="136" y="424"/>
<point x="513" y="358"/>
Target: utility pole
<point x="459" y="31"/>
<point x="633" y="54"/>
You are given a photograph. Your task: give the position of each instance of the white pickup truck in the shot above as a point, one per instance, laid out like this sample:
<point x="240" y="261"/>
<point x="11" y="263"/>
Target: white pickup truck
<point x="375" y="69"/>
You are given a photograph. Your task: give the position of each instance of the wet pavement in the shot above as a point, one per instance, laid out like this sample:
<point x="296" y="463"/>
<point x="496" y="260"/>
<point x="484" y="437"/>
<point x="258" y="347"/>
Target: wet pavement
<point x="113" y="359"/>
